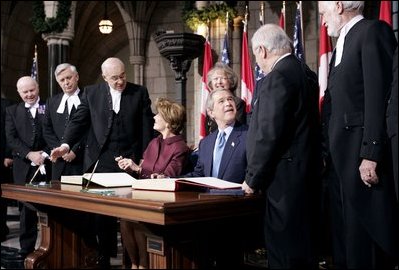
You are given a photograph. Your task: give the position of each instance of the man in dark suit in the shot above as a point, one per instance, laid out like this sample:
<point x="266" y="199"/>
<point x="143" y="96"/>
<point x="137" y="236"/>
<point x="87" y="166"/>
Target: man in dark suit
<point x="283" y="150"/>
<point x="392" y="121"/>
<point x="60" y="108"/>
<point x="229" y="164"/>
<point x="5" y="168"/>
<point x="24" y="136"/>
<point x="363" y="203"/>
<point x="221" y="107"/>
<point x="118" y="117"/>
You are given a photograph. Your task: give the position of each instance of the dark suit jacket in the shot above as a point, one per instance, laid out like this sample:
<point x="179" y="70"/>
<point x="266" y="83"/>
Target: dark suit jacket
<point x="24" y="134"/>
<point x="234" y="161"/>
<point x="166" y="157"/>
<point x="95" y="115"/>
<point x="392" y="109"/>
<point x="283" y="154"/>
<point x="5" y="151"/>
<point x="53" y="131"/>
<point x="358" y="89"/>
<point x="392" y="120"/>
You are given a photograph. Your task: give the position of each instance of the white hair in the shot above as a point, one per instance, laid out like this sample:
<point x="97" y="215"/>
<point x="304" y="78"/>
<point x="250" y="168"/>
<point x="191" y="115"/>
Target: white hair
<point x="61" y="67"/>
<point x="347" y="5"/>
<point x="273" y="38"/>
<point x="353" y="5"/>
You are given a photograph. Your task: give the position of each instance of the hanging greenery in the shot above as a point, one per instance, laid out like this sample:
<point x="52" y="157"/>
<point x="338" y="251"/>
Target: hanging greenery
<point x="41" y="24"/>
<point x="194" y="17"/>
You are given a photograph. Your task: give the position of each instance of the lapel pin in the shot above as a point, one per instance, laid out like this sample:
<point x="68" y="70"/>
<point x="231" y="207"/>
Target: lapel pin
<point x="232" y="144"/>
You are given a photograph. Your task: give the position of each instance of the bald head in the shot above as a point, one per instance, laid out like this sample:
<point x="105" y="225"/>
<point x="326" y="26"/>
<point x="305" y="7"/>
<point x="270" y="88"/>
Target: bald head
<point x="111" y="63"/>
<point x="26" y="80"/>
<point x="113" y="71"/>
<point x="28" y="89"/>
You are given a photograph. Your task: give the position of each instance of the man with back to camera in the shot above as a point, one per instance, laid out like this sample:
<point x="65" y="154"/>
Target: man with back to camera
<point x="284" y="151"/>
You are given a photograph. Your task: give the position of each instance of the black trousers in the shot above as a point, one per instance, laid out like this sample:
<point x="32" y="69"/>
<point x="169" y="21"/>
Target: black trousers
<point x="353" y="247"/>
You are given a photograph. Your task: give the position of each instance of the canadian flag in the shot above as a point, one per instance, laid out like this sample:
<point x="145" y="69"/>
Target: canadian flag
<point x="281" y="22"/>
<point x="247" y="77"/>
<point x="386" y="11"/>
<point x="325" y="54"/>
<point x="207" y="65"/>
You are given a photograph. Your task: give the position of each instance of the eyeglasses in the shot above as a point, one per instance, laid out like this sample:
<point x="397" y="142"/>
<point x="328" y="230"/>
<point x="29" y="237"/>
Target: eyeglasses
<point x="115" y="78"/>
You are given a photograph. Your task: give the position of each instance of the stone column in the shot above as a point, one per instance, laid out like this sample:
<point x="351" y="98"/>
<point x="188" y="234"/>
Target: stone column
<point x="138" y="61"/>
<point x="58" y="52"/>
<point x="180" y="49"/>
<point x="58" y="45"/>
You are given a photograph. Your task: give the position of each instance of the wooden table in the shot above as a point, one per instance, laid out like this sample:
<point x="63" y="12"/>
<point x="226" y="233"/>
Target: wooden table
<point x="181" y="226"/>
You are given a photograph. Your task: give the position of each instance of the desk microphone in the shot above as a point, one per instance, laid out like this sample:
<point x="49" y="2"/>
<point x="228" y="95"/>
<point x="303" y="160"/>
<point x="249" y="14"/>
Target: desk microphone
<point x="36" y="172"/>
<point x="91" y="176"/>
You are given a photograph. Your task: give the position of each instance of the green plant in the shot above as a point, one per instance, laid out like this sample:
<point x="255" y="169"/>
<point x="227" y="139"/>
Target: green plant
<point x="41" y="24"/>
<point x="194" y="17"/>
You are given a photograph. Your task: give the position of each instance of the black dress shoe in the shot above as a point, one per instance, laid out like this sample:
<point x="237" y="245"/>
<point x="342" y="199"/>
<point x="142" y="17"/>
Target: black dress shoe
<point x="103" y="262"/>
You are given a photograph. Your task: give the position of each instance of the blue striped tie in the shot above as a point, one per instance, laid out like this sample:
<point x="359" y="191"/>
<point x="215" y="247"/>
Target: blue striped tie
<point x="218" y="152"/>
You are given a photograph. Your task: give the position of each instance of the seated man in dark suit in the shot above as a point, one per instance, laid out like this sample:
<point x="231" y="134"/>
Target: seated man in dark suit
<point x="231" y="167"/>
<point x="222" y="154"/>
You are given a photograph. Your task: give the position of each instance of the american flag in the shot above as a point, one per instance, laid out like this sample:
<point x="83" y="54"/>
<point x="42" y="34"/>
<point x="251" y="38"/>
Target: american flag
<point x="259" y="73"/>
<point x="225" y="51"/>
<point x="298" y="46"/>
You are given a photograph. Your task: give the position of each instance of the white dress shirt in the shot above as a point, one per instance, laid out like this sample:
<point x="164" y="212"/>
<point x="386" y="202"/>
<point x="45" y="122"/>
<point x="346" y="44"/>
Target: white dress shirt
<point x="33" y="108"/>
<point x="116" y="99"/>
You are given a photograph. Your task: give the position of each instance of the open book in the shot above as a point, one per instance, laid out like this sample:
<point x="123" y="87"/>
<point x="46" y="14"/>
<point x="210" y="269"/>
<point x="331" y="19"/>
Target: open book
<point x="119" y="179"/>
<point x="176" y="184"/>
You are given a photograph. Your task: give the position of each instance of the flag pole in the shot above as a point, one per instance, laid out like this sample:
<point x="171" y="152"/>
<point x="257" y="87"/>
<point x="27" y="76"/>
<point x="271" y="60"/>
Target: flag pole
<point x="302" y="31"/>
<point x="37" y="64"/>
<point x="227" y="21"/>
<point x="262" y="13"/>
<point x="245" y="19"/>
<point x="283" y="11"/>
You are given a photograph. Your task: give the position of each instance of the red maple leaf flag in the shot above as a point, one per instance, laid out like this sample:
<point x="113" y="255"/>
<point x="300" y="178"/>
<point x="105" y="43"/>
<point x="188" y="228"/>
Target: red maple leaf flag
<point x="247" y="77"/>
<point x="204" y="86"/>
<point x="281" y="22"/>
<point x="325" y="54"/>
<point x="386" y="12"/>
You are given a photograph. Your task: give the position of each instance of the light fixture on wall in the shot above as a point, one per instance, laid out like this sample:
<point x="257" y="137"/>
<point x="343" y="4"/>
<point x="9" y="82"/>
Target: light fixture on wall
<point x="105" y="25"/>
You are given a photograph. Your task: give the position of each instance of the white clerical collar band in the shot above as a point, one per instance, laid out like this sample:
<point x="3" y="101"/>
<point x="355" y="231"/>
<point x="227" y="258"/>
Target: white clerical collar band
<point x="73" y="100"/>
